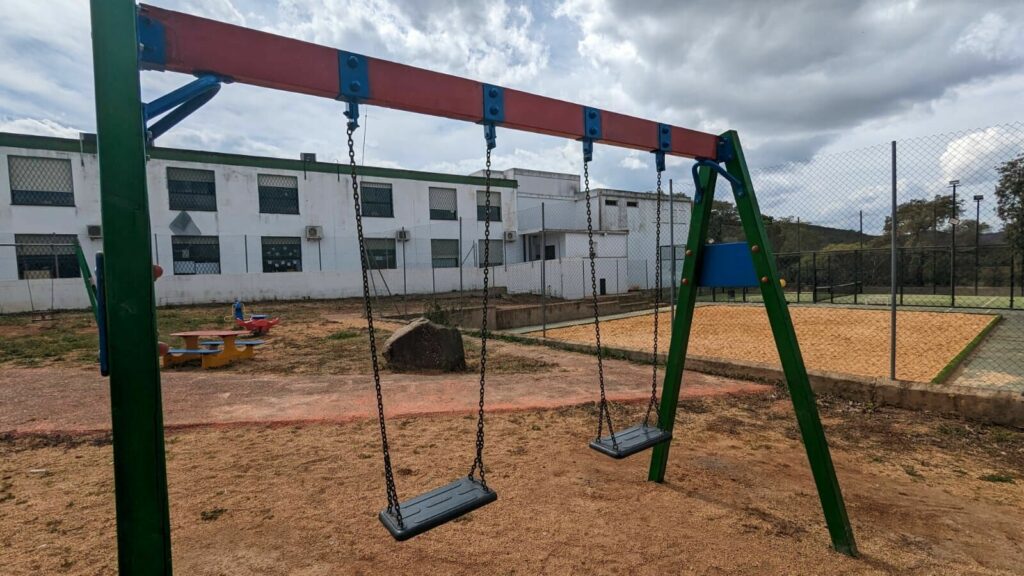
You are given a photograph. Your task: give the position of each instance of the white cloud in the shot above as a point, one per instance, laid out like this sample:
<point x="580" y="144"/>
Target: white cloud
<point x="36" y="127"/>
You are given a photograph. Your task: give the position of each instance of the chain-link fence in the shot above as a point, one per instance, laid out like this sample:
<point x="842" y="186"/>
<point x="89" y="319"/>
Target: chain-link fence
<point x="956" y="275"/>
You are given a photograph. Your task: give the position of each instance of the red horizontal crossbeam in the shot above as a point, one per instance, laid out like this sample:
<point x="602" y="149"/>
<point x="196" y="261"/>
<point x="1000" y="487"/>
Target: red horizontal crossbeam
<point x="194" y="45"/>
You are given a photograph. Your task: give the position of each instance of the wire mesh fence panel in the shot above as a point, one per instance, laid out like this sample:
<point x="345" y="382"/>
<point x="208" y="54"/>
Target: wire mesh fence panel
<point x="957" y="252"/>
<point x="958" y="284"/>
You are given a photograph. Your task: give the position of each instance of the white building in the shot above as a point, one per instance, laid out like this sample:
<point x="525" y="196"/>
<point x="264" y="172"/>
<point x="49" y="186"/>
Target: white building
<point x="229" y="225"/>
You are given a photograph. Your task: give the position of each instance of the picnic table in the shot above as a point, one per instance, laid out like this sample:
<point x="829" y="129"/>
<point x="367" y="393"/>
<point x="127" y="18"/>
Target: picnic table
<point x="211" y="357"/>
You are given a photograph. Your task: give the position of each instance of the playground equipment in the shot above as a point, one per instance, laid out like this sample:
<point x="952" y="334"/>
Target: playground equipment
<point x="127" y="37"/>
<point x="257" y="324"/>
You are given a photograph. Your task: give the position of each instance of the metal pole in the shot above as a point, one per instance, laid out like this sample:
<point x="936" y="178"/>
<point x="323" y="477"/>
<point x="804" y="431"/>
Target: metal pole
<point x="245" y="243"/>
<point x="799" y="263"/>
<point x="977" y="238"/>
<point x="460" y="257"/>
<point x="892" y="272"/>
<point x="140" y="469"/>
<point x="543" y="275"/>
<point x="672" y="251"/>
<point x="405" y="279"/>
<point x="857" y="283"/>
<point x="952" y="261"/>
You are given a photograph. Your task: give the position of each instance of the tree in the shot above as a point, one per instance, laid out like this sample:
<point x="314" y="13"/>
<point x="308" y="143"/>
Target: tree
<point x="918" y="217"/>
<point x="725" y="222"/>
<point x="1010" y="201"/>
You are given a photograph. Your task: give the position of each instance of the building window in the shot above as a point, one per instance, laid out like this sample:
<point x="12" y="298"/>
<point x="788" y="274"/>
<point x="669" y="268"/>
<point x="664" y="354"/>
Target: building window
<point x="41" y="181"/>
<point x="442" y="204"/>
<point x="46" y="256"/>
<point x="278" y="194"/>
<point x="608" y="202"/>
<point x="632" y="204"/>
<point x="497" y="255"/>
<point x="444" y="253"/>
<point x="191" y="189"/>
<point x="196" y="254"/>
<point x="481" y="199"/>
<point x="376" y="199"/>
<point x="282" y="254"/>
<point x="381" y="253"/>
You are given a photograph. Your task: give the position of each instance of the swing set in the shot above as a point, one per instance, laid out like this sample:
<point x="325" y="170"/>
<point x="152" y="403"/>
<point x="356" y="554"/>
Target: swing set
<point x="128" y="38"/>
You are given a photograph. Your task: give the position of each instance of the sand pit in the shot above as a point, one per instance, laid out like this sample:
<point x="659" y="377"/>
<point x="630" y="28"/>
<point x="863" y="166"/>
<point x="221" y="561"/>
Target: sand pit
<point x="844" y="340"/>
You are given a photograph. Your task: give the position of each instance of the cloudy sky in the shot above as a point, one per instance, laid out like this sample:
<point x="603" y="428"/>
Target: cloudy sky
<point x="796" y="79"/>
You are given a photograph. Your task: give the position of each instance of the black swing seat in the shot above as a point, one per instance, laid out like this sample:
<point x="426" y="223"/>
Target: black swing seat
<point x="631" y="440"/>
<point x="436" y="507"/>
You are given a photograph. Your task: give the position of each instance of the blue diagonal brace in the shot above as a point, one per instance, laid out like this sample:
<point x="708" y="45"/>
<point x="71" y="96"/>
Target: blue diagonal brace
<point x="179" y="104"/>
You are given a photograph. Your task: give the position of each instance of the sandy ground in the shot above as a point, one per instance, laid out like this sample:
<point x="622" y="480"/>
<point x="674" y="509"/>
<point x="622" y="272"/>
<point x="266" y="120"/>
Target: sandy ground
<point x="738" y="499"/>
<point x="841" y="340"/>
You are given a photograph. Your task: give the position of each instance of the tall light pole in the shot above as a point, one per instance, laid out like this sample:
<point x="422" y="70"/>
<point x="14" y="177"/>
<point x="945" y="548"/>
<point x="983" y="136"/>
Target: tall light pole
<point x="954" y="220"/>
<point x="977" y="237"/>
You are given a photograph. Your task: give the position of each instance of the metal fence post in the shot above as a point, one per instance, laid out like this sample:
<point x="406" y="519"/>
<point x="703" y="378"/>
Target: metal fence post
<point x="892" y="279"/>
<point x="460" y="258"/>
<point x="405" y="279"/>
<point x="672" y="251"/>
<point x="543" y="275"/>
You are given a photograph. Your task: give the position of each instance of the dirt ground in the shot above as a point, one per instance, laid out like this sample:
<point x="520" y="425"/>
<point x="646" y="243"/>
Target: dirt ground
<point x="274" y="467"/>
<point x="925" y="496"/>
<point x="849" y="341"/>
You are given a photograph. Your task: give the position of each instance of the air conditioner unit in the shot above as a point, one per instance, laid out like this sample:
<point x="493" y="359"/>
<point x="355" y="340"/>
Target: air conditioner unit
<point x="308" y="156"/>
<point x="94" y="231"/>
<point x="403" y="235"/>
<point x="510" y="235"/>
<point x="314" y="232"/>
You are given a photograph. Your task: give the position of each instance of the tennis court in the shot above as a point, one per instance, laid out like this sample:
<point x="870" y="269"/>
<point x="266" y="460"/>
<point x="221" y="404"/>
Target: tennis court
<point x="832" y="338"/>
<point x="846" y="297"/>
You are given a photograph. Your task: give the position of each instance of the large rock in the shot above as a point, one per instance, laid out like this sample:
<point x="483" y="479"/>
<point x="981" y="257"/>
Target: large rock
<point x="422" y="344"/>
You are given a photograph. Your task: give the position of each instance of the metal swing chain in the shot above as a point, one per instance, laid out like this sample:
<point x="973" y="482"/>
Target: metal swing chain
<point x="389" y="477"/>
<point x="478" y="462"/>
<point x="603" y="412"/>
<point x="652" y="405"/>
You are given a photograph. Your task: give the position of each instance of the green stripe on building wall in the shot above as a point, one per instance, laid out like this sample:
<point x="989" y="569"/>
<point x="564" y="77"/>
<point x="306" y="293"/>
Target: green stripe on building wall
<point x="180" y="155"/>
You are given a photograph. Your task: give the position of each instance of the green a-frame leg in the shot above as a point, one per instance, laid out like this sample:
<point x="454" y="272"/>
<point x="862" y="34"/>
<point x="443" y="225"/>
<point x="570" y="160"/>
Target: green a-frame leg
<point x="782" y="328"/>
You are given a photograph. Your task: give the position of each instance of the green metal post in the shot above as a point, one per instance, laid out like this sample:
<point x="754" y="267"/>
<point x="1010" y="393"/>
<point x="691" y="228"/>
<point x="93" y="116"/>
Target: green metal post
<point x="683" y="321"/>
<point x="140" y="478"/>
<point x="785" y="340"/>
<point x="789" y="353"/>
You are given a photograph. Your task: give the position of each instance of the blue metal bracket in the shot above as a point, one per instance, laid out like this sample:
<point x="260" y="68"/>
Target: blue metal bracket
<point x="592" y="131"/>
<point x="664" y="145"/>
<point x="592" y="124"/>
<point x="179" y="104"/>
<point x="664" y="138"/>
<point x="494" y="104"/>
<point x="737" y="186"/>
<point x="152" y="46"/>
<point x="353" y="76"/>
<point x="101" y="314"/>
<point x="724" y="149"/>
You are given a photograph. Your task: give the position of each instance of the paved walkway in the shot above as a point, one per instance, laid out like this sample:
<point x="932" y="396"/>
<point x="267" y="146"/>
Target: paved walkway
<point x="52" y="400"/>
<point x="998" y="361"/>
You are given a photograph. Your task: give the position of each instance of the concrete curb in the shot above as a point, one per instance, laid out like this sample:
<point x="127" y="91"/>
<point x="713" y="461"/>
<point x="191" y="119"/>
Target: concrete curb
<point x="980" y="404"/>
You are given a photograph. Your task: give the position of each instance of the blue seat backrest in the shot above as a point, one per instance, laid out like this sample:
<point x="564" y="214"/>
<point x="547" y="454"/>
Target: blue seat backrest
<point x="727" y="265"/>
